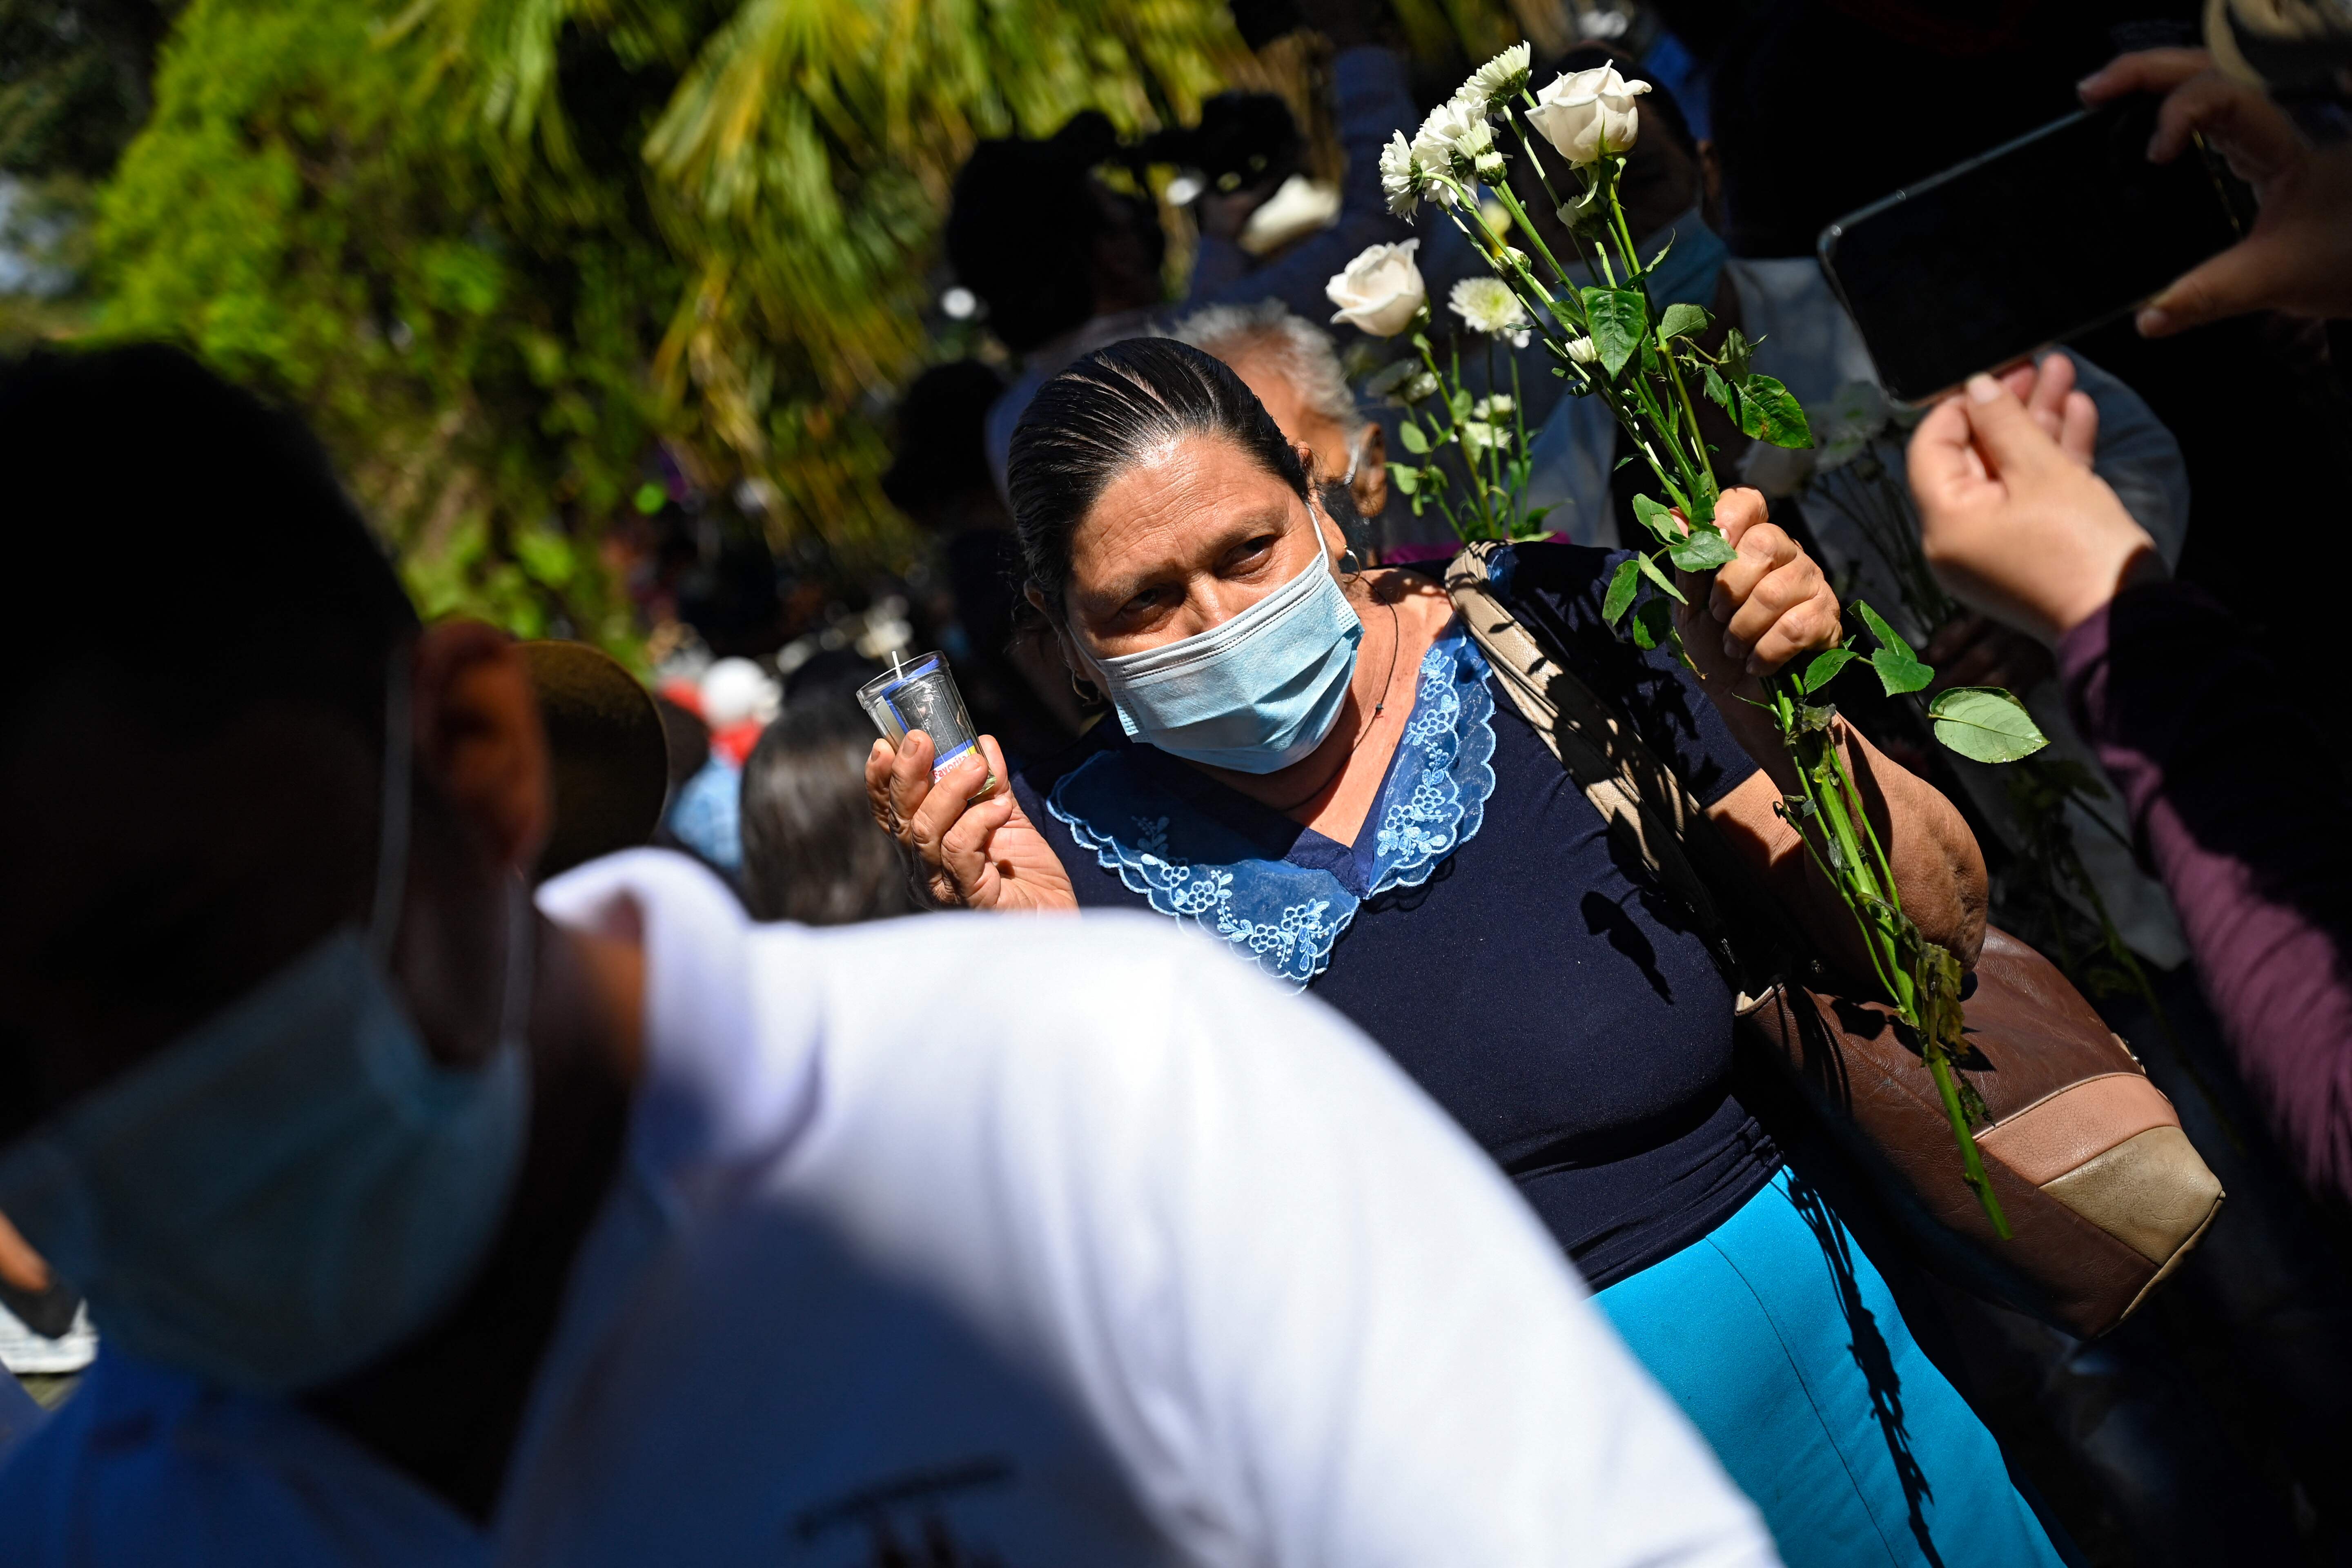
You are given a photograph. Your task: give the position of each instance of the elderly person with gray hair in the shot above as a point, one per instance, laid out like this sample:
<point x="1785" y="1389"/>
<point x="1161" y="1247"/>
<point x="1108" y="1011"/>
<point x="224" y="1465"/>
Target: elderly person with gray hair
<point x="1291" y="365"/>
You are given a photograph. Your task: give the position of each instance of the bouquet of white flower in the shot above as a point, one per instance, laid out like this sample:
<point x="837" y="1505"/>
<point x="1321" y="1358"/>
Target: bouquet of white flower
<point x="1608" y="341"/>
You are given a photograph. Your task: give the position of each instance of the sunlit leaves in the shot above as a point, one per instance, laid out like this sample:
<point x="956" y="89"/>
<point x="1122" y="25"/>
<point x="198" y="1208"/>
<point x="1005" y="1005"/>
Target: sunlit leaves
<point x="1899" y="669"/>
<point x="1620" y="321"/>
<point x="1985" y="723"/>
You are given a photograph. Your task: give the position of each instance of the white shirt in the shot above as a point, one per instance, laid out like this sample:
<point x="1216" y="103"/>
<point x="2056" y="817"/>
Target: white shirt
<point x="1061" y="1239"/>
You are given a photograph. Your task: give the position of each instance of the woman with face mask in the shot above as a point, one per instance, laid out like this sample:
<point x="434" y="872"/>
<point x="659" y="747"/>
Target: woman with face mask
<point x="1313" y="765"/>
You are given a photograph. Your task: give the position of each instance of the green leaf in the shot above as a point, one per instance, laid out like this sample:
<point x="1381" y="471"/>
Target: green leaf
<point x="1720" y="391"/>
<point x="1769" y="412"/>
<point x="1986" y="723"/>
<point x="1414" y="438"/>
<point x="1682" y="318"/>
<point x="1650" y="570"/>
<point x="1824" y="668"/>
<point x="1460" y="403"/>
<point x="1899" y="669"/>
<point x="1621" y="320"/>
<point x="1654" y="623"/>
<point x="1659" y="520"/>
<point x="1704" y="549"/>
<point x="1405" y="477"/>
<point x="1735" y="352"/>
<point x="1622" y="587"/>
<point x="650" y="497"/>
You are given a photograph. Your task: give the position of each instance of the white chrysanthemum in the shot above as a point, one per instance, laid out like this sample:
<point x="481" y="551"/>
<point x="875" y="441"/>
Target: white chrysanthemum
<point x="1403" y="180"/>
<point x="1498" y="407"/>
<point x="1488" y="306"/>
<point x="1497" y="81"/>
<point x="1582" y="350"/>
<point x="1451" y="140"/>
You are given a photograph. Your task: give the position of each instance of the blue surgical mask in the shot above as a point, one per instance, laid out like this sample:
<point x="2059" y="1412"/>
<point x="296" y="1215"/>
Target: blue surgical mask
<point x="294" y="1186"/>
<point x="1254" y="694"/>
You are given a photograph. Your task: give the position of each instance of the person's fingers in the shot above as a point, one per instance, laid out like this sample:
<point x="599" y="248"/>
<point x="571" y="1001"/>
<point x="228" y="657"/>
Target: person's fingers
<point x="2078" y="432"/>
<point x="2004" y="433"/>
<point x="2019" y="379"/>
<point x="1762" y="548"/>
<point x="2149" y="70"/>
<point x="996" y="768"/>
<point x="2249" y="128"/>
<point x="1738" y="509"/>
<point x="927" y="825"/>
<point x="879" y="759"/>
<point x="1809" y="624"/>
<point x="963" y="849"/>
<point x="2241" y="278"/>
<point x="910" y="779"/>
<point x="2054" y="378"/>
<point x="1785" y="588"/>
<point x="1942" y="461"/>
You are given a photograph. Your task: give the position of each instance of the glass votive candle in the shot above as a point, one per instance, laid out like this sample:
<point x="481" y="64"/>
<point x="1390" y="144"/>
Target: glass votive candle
<point x="920" y="693"/>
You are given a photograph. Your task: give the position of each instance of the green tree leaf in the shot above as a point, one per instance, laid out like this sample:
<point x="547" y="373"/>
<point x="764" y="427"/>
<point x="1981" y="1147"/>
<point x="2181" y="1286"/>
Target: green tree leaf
<point x="1899" y="669"/>
<point x="1769" y="412"/>
<point x="1682" y="318"/>
<point x="1414" y="438"/>
<point x="1735" y="352"/>
<point x="1650" y="570"/>
<point x="1622" y="588"/>
<point x="1659" y="520"/>
<point x="1986" y="723"/>
<point x="1653" y="622"/>
<point x="1620" y="318"/>
<point x="1825" y="666"/>
<point x="1704" y="549"/>
<point x="1720" y="391"/>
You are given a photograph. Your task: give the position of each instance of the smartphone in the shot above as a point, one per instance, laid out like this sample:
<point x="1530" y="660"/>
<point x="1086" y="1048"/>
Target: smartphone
<point x="2051" y="235"/>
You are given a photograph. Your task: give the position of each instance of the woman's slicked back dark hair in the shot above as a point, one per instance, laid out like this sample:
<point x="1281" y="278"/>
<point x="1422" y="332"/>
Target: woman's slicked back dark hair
<point x="1089" y="424"/>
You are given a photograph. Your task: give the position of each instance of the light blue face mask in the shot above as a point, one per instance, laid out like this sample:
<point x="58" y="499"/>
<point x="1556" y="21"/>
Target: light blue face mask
<point x="295" y="1186"/>
<point x="1254" y="694"/>
<point x="1692" y="264"/>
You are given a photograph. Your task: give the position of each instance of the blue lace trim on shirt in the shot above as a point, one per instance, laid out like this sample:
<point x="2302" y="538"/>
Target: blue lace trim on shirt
<point x="1211" y="867"/>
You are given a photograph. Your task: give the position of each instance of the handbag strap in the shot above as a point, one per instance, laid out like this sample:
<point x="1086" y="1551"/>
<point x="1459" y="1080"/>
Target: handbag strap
<point x="1650" y="811"/>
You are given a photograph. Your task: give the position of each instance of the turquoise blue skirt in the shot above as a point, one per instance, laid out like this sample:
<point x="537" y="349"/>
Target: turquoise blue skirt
<point x="1784" y="1347"/>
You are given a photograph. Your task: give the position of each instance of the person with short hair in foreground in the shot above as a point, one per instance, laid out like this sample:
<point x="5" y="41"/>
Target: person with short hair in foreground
<point x="426" y="1226"/>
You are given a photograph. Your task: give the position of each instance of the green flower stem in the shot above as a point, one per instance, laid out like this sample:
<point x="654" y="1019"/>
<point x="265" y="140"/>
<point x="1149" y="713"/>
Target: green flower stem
<point x="1509" y="198"/>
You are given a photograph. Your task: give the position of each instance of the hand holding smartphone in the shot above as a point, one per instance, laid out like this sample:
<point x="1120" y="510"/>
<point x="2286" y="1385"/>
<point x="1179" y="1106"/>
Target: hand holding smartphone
<point x="2049" y="236"/>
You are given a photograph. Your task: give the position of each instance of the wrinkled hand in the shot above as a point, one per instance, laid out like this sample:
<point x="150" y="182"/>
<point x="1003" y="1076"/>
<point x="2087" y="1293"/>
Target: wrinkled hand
<point x="1761" y="611"/>
<point x="2299" y="258"/>
<point x="985" y="855"/>
<point x="2015" y="525"/>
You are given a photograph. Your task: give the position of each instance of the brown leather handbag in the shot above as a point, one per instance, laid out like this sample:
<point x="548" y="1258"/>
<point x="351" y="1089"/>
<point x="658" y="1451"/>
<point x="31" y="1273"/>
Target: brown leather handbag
<point x="2103" y="1192"/>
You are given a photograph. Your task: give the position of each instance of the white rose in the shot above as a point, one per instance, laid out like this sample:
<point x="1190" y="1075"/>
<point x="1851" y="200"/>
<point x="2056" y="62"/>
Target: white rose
<point x="1382" y="290"/>
<point x="1589" y="113"/>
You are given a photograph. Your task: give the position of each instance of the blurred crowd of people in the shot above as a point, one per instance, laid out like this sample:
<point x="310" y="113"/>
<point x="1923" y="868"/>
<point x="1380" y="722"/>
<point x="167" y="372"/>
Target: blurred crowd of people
<point x="403" y="1162"/>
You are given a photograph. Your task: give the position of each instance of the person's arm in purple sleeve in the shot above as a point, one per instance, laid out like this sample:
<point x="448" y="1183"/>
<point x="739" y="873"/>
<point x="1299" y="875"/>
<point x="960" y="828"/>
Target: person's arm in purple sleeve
<point x="2222" y="773"/>
<point x="2228" y="792"/>
<point x="1373" y="105"/>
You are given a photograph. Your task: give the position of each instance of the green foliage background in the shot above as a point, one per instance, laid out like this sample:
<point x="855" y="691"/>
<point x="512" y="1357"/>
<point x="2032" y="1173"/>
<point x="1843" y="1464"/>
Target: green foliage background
<point x="503" y="251"/>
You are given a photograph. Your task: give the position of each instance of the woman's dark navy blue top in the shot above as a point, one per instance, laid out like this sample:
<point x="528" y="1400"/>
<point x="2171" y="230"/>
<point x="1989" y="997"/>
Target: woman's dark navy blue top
<point x="1555" y="1002"/>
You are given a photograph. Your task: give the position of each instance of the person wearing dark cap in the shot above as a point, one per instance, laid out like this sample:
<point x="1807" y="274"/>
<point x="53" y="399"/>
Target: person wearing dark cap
<point x="606" y="754"/>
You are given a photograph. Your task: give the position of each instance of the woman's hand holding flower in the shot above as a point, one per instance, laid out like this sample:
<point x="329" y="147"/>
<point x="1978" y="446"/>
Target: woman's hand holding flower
<point x="1763" y="609"/>
<point x="980" y="855"/>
